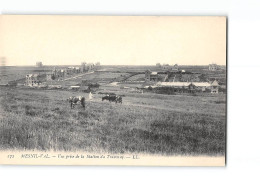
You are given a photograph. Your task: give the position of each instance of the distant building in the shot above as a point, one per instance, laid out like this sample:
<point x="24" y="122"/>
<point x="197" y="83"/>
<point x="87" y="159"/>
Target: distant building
<point x="168" y="67"/>
<point x="213" y="67"/>
<point x="74" y="87"/>
<point x="175" y="68"/>
<point x="90" y="67"/>
<point x="158" y="65"/>
<point x="32" y="80"/>
<point x="151" y="76"/>
<point x="214" y="87"/>
<point x="83" y="67"/>
<point x="58" y="73"/>
<point x="38" y="64"/>
<point x="184" y="84"/>
<point x="194" y="86"/>
<point x="77" y="69"/>
<point x="69" y="70"/>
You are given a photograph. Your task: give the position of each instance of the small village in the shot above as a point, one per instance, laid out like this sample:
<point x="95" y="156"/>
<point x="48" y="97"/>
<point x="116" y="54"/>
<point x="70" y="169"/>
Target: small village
<point x="157" y="79"/>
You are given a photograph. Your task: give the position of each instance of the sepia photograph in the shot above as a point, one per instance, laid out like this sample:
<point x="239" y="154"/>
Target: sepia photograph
<point x="113" y="90"/>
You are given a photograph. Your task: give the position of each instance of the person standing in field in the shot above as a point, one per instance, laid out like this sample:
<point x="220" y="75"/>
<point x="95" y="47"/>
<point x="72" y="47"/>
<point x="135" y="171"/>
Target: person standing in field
<point x="90" y="96"/>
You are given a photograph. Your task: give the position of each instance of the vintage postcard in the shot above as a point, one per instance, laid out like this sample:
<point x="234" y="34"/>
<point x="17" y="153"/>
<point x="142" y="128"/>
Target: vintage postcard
<point x="113" y="90"/>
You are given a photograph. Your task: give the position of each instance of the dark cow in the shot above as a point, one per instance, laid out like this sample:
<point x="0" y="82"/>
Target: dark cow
<point x="109" y="98"/>
<point x="112" y="98"/>
<point x="105" y="98"/>
<point x="74" y="100"/>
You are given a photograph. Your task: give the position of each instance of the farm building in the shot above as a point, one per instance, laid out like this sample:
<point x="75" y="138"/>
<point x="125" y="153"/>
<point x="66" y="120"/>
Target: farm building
<point x="74" y="87"/>
<point x="166" y="67"/>
<point x="214" y="87"/>
<point x="213" y="67"/>
<point x="198" y="86"/>
<point x="175" y="68"/>
<point x="151" y="76"/>
<point x="173" y="84"/>
<point x="32" y="80"/>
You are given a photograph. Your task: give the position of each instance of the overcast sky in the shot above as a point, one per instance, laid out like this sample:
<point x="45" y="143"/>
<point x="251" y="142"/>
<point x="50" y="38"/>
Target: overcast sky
<point x="112" y="40"/>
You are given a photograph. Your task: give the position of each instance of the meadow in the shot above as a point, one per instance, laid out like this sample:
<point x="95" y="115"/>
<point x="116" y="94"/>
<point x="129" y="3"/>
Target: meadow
<point x="34" y="119"/>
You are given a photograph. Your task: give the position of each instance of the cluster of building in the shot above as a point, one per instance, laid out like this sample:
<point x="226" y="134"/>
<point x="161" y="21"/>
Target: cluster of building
<point x="212" y="87"/>
<point x="32" y="80"/>
<point x="213" y="67"/>
<point x="57" y="74"/>
<point x="181" y="80"/>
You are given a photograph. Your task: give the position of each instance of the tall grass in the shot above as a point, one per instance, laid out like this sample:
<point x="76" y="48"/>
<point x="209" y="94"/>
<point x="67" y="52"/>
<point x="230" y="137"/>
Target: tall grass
<point x="33" y="120"/>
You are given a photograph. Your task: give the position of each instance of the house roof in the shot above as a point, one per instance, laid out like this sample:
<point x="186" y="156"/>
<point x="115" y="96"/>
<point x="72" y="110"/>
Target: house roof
<point x="185" y="84"/>
<point x="177" y="84"/>
<point x="215" y="83"/>
<point x="201" y="84"/>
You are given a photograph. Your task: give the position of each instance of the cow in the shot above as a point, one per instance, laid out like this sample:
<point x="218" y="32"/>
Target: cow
<point x="105" y="98"/>
<point x="112" y="98"/>
<point x="119" y="99"/>
<point x="74" y="100"/>
<point x="109" y="98"/>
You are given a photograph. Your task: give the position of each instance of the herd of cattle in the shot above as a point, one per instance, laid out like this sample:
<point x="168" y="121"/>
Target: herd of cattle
<point x="80" y="99"/>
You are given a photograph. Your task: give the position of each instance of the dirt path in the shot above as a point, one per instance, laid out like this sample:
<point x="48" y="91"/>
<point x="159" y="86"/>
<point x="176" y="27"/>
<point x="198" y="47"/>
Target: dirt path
<point x="77" y="76"/>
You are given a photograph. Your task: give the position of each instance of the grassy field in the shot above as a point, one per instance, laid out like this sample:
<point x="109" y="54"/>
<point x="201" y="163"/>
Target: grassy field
<point x="32" y="119"/>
